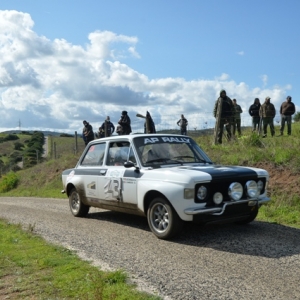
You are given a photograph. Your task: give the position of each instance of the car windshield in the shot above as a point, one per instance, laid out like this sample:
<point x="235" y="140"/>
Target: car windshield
<point x="156" y="151"/>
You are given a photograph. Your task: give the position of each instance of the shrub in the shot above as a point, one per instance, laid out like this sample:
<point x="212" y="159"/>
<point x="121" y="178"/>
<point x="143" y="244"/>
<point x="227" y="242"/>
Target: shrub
<point x="297" y="117"/>
<point x="66" y="135"/>
<point x="11" y="137"/>
<point x="18" y="146"/>
<point x="252" y="140"/>
<point x="8" y="182"/>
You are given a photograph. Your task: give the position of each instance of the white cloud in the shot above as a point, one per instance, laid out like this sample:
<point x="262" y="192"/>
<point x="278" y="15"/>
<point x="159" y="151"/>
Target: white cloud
<point x="264" y="79"/>
<point x="55" y="84"/>
<point x="241" y="53"/>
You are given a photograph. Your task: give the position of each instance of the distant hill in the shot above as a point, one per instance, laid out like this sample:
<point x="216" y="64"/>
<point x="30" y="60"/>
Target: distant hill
<point x="207" y="131"/>
<point x="46" y="133"/>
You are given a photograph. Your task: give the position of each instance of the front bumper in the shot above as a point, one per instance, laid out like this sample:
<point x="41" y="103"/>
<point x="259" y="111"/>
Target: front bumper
<point x="220" y="210"/>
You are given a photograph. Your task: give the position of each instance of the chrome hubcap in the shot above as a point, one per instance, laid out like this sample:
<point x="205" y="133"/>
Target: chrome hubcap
<point x="160" y="217"/>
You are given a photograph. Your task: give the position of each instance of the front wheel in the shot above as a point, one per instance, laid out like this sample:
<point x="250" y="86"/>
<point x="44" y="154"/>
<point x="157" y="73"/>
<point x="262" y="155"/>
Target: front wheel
<point x="78" y="209"/>
<point x="163" y="220"/>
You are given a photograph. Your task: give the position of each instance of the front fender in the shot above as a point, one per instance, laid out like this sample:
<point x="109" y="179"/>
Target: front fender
<point x="173" y="192"/>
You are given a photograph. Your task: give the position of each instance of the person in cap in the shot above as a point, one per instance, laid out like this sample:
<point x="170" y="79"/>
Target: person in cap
<point x="87" y="132"/>
<point x="254" y="113"/>
<point x="236" y="118"/>
<point x="267" y="112"/>
<point x="287" y="109"/>
<point x="125" y="123"/>
<point x="227" y="115"/>
<point x="107" y="127"/>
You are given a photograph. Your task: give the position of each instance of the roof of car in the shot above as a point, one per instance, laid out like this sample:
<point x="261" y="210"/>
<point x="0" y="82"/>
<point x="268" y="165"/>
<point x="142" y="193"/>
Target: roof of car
<point x="132" y="136"/>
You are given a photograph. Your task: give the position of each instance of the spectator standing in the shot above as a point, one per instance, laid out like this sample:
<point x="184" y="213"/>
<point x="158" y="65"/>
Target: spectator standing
<point x="287" y="109"/>
<point x="107" y="127"/>
<point x="100" y="133"/>
<point x="151" y="125"/>
<point x="237" y="117"/>
<point x="254" y="113"/>
<point x="125" y="122"/>
<point x="267" y="112"/>
<point x="183" y="123"/>
<point x="226" y="116"/>
<point x="87" y="132"/>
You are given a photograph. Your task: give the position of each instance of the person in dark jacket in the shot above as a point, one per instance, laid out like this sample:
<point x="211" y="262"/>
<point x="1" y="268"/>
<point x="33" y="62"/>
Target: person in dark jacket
<point x="287" y="109"/>
<point x="87" y="132"/>
<point x="254" y="113"/>
<point x="107" y="127"/>
<point x="125" y="123"/>
<point x="151" y="125"/>
<point x="267" y="112"/>
<point x="227" y="115"/>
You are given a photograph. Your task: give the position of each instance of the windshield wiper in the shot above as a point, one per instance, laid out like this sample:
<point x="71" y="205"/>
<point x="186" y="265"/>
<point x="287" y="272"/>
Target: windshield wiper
<point x="195" y="158"/>
<point x="184" y="156"/>
<point x="163" y="159"/>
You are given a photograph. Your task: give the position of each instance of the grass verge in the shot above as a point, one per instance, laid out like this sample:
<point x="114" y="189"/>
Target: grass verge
<point x="30" y="268"/>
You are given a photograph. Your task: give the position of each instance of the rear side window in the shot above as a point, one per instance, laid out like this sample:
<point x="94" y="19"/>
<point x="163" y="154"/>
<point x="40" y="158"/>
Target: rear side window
<point x="94" y="156"/>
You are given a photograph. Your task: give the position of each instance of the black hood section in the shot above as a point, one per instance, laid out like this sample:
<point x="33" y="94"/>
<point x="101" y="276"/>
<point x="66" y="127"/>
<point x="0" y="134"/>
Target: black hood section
<point x="219" y="172"/>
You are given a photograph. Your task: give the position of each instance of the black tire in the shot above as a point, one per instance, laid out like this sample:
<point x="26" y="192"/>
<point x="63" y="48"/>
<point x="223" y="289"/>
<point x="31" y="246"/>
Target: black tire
<point x="78" y="209"/>
<point x="250" y="218"/>
<point x="163" y="220"/>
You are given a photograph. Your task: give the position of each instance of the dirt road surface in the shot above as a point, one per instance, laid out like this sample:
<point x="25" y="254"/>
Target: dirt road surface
<point x="257" y="261"/>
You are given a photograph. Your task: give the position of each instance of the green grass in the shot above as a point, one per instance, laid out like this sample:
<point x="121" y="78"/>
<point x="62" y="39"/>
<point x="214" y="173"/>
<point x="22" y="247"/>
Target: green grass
<point x="30" y="268"/>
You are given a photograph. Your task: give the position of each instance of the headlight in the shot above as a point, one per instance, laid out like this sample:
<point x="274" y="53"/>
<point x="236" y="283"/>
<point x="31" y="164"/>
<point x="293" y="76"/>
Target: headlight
<point x="260" y="186"/>
<point x="235" y="191"/>
<point x="202" y="192"/>
<point x="251" y="188"/>
<point x="218" y="198"/>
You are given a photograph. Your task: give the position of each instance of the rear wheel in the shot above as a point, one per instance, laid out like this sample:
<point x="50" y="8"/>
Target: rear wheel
<point x="163" y="220"/>
<point x="77" y="208"/>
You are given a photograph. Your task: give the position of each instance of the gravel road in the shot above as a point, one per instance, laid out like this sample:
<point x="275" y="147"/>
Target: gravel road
<point x="257" y="261"/>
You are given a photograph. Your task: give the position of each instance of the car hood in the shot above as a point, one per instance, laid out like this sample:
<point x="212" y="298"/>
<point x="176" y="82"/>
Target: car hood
<point x="205" y="173"/>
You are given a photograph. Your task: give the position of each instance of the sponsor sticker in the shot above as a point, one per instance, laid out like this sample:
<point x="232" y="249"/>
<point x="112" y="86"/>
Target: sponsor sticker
<point x="166" y="139"/>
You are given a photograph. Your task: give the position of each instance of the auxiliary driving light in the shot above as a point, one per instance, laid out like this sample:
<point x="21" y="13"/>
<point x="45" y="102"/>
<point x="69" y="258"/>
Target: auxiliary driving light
<point x="260" y="185"/>
<point x="218" y="198"/>
<point x="235" y="191"/>
<point x="251" y="188"/>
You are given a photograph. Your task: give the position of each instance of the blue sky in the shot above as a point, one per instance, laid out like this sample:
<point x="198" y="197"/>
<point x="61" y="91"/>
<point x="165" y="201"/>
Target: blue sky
<point x="66" y="61"/>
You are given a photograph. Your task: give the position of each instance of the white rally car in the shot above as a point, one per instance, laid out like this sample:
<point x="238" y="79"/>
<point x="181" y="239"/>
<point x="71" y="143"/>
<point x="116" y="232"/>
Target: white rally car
<point x="167" y="178"/>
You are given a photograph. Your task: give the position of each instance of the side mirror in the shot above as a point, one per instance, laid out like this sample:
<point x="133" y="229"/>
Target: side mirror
<point x="130" y="164"/>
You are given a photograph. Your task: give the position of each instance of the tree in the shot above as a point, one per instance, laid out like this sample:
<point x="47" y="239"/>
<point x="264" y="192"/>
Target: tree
<point x="297" y="117"/>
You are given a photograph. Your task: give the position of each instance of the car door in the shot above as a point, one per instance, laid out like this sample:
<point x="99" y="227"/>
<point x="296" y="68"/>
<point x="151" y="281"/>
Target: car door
<point x="115" y="186"/>
<point x="90" y="168"/>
